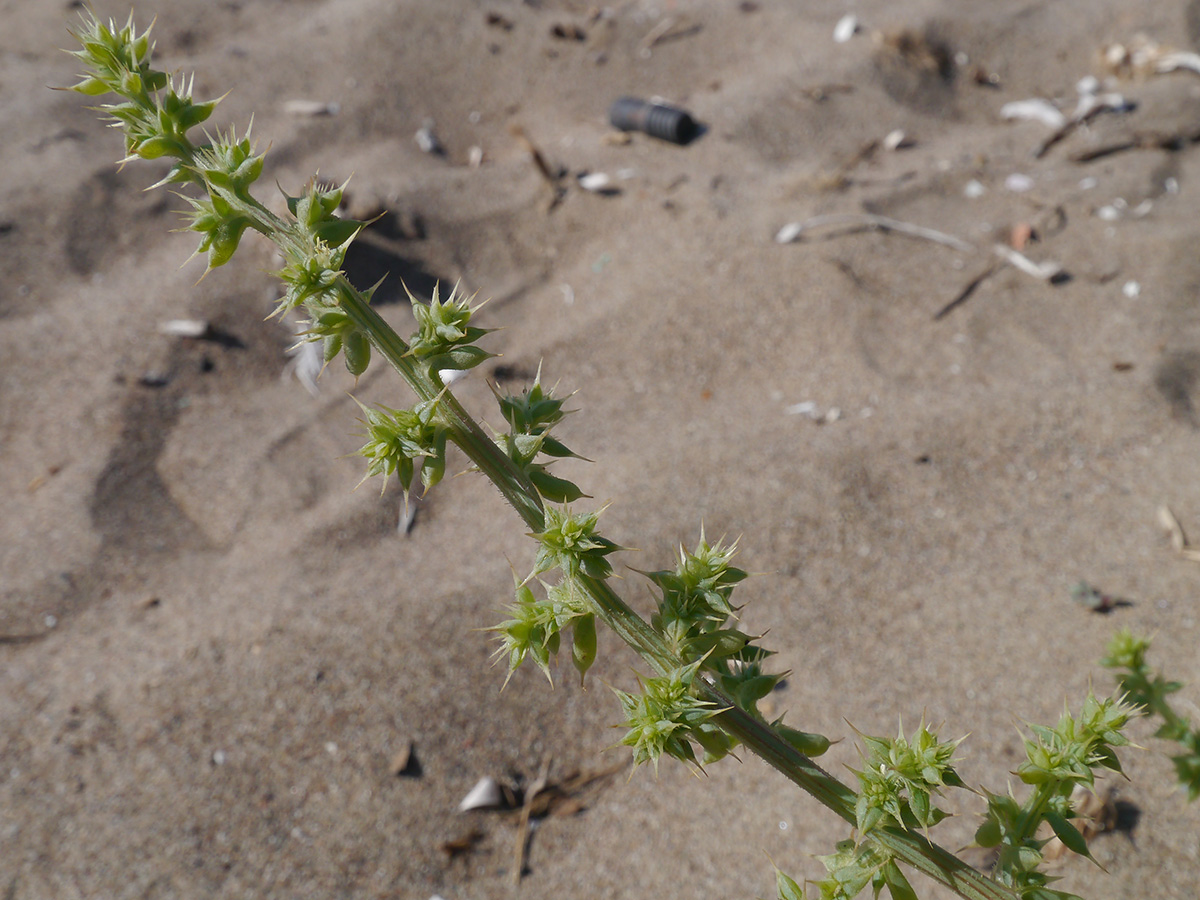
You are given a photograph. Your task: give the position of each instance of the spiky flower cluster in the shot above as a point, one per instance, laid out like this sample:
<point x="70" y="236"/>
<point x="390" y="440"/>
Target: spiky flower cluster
<point x="849" y="870"/>
<point x="445" y="337"/>
<point x="399" y="439"/>
<point x="1067" y="753"/>
<point x="536" y="627"/>
<point x="665" y="717"/>
<point x="530" y="417"/>
<point x="1057" y="759"/>
<point x="693" y="616"/>
<point x="118" y="62"/>
<point x="315" y="249"/>
<point x="1148" y="689"/>
<point x="695" y="606"/>
<point x="571" y="542"/>
<point x="899" y="778"/>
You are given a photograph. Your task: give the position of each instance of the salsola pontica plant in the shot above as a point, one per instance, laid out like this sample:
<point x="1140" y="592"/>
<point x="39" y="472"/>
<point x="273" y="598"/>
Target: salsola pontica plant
<point x="708" y="676"/>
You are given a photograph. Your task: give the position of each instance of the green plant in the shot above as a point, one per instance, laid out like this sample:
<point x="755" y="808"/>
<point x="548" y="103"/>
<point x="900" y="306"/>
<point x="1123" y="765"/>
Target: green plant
<point x="709" y="677"/>
<point x="1127" y="653"/>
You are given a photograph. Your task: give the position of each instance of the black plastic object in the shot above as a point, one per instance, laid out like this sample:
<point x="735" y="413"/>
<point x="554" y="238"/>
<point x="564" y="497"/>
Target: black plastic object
<point x="656" y="119"/>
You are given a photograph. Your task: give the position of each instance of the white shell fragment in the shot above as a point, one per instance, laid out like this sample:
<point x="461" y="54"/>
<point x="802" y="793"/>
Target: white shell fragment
<point x="189" y="328"/>
<point x="310" y="108"/>
<point x="1018" y="183"/>
<point x="427" y="140"/>
<point x="1131" y="289"/>
<point x="1171" y="62"/>
<point x="973" y="189"/>
<point x="897" y="140"/>
<point x="1034" y="110"/>
<point x="845" y="29"/>
<point x="487" y="794"/>
<point x="595" y="181"/>
<point x="810" y="410"/>
<point x="789" y="232"/>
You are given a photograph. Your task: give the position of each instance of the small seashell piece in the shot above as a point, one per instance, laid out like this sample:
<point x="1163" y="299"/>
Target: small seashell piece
<point x="428" y="141"/>
<point x="595" y="181"/>
<point x="310" y="108"/>
<point x="1036" y="109"/>
<point x="1018" y="183"/>
<point x="189" y="328"/>
<point x="487" y="794"/>
<point x="788" y="233"/>
<point x="845" y="29"/>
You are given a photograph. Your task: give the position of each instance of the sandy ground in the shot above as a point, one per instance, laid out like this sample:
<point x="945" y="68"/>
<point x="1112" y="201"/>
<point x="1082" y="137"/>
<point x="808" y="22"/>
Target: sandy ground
<point x="213" y="649"/>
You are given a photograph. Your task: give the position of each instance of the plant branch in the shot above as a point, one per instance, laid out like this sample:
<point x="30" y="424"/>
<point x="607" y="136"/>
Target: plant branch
<point x="924" y="856"/>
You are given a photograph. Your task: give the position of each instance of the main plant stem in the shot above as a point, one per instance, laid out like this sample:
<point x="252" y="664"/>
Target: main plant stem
<point x="910" y="847"/>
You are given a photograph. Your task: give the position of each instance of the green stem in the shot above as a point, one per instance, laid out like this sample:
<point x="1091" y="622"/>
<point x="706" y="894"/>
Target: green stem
<point x="1031" y="813"/>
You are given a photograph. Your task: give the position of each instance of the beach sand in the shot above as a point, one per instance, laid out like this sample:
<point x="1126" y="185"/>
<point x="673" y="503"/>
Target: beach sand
<point x="216" y="652"/>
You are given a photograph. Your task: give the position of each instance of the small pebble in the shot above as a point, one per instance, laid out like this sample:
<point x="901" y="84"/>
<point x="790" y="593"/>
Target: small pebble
<point x="973" y="189"/>
<point x="1018" y="183"/>
<point x="1131" y="289"/>
<point x="311" y="108"/>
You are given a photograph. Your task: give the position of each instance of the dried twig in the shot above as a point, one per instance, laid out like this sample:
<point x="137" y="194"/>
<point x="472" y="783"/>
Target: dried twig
<point x="1176" y="140"/>
<point x="1047" y="271"/>
<point x="1090" y="106"/>
<point x="668" y="29"/>
<point x="1179" y="541"/>
<point x="794" y="230"/>
<point x="535" y="788"/>
<point x="961" y="297"/>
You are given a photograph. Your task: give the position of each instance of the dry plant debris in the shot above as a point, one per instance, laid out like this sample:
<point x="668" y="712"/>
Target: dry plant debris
<point x="793" y="231"/>
<point x="1179" y="541"/>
